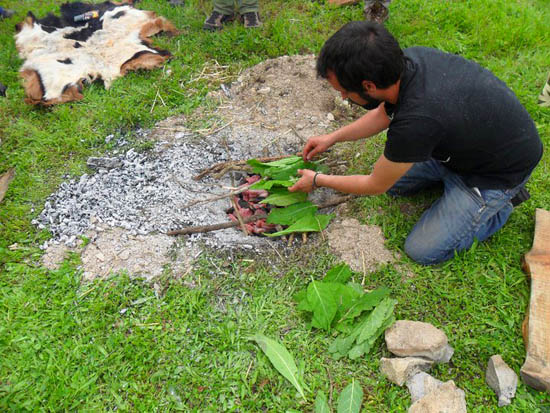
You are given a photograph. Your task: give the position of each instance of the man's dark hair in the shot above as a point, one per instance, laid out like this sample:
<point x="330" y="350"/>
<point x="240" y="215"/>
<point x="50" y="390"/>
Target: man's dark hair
<point x="362" y="51"/>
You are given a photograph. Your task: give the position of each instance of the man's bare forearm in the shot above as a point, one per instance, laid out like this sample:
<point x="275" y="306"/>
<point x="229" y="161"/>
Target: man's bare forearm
<point x="352" y="184"/>
<point x="373" y="122"/>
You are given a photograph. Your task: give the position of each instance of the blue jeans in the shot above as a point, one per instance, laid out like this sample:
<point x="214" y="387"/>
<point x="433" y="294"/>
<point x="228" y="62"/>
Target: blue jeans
<point x="455" y="220"/>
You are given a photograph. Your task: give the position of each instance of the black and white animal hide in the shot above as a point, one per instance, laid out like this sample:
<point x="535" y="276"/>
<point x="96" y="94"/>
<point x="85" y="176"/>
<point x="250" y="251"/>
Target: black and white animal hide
<point x="62" y="55"/>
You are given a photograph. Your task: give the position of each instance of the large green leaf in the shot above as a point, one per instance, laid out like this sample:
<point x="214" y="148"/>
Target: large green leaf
<point x="366" y="346"/>
<point x="373" y="326"/>
<point x="257" y="166"/>
<point x="271" y="183"/>
<point x="344" y="295"/>
<point x="321" y="298"/>
<point x="284" y="161"/>
<point x="339" y="274"/>
<point x="351" y="398"/>
<point x="364" y="303"/>
<point x="321" y="404"/>
<point x="281" y="359"/>
<point x="290" y="214"/>
<point x="314" y="223"/>
<point x="281" y="197"/>
<point x="342" y="345"/>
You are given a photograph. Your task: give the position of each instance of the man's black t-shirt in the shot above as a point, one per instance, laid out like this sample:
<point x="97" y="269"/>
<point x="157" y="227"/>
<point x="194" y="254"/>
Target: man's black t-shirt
<point x="455" y="111"/>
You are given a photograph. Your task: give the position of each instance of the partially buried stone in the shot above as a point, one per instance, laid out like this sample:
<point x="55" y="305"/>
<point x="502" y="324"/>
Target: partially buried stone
<point x="407" y="338"/>
<point x="399" y="370"/>
<point x="421" y="384"/>
<point x="103" y="163"/>
<point x="502" y="379"/>
<point x="446" y="398"/>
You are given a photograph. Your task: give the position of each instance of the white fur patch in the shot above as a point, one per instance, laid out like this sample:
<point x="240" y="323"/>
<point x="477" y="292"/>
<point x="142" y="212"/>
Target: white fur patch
<point x="100" y="56"/>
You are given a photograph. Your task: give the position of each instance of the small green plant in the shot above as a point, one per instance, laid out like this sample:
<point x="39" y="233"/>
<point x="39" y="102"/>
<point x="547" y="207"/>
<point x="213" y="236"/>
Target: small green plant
<point x="338" y="304"/>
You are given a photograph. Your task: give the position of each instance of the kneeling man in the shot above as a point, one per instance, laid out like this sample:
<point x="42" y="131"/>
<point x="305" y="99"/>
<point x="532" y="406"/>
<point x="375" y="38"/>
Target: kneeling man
<point x="449" y="122"/>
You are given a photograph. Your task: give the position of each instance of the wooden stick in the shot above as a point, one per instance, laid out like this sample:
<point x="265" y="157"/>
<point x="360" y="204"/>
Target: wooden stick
<point x="224" y="225"/>
<point x="218" y="197"/>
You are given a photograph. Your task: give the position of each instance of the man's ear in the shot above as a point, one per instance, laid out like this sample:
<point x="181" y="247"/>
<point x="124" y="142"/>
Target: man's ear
<point x="368" y="86"/>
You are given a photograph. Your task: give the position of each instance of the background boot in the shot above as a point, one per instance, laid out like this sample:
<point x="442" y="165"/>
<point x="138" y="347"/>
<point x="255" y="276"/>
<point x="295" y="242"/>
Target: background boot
<point x="217" y="20"/>
<point x="251" y="19"/>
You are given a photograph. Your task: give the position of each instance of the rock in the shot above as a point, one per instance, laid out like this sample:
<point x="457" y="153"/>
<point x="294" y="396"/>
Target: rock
<point x="399" y="370"/>
<point x="330" y="117"/>
<point x="417" y="339"/>
<point x="264" y="91"/>
<point x="447" y="398"/>
<point x="502" y="379"/>
<point x="103" y="163"/>
<point x="422" y="384"/>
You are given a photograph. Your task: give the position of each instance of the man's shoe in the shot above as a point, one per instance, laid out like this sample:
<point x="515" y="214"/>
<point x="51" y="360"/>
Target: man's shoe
<point x="522" y="196"/>
<point x="251" y="19"/>
<point x="6" y="13"/>
<point x="217" y="20"/>
<point x="376" y="12"/>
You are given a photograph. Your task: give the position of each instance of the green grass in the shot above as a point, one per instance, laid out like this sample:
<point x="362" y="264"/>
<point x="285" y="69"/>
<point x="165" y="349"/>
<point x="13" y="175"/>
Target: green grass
<point x="67" y="346"/>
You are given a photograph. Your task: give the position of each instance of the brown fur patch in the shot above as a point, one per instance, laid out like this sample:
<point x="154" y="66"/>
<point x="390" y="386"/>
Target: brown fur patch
<point x="146" y="60"/>
<point x="28" y="21"/>
<point x="33" y="86"/>
<point x="156" y="26"/>
<point x="70" y="94"/>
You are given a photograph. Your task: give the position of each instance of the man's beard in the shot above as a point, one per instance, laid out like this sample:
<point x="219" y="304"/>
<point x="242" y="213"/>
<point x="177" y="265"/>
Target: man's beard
<point x="371" y="103"/>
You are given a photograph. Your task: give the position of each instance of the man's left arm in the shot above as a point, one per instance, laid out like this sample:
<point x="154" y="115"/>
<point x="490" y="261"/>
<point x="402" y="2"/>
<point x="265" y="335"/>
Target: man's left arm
<point x="384" y="175"/>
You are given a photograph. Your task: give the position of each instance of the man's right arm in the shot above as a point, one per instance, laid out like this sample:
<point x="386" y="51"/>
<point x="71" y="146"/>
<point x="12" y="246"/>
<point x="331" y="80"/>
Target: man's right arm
<point x="373" y="122"/>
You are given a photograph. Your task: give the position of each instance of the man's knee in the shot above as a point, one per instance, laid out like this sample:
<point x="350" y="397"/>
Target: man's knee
<point x="426" y="251"/>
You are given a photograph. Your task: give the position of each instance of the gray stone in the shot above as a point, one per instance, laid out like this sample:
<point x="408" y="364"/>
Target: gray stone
<point x="417" y="339"/>
<point x="399" y="370"/>
<point x="422" y="384"/>
<point x="447" y="398"/>
<point x="102" y="164"/>
<point x="502" y="379"/>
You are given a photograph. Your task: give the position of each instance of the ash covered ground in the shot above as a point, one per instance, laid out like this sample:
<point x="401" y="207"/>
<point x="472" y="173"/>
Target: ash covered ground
<point x="130" y="199"/>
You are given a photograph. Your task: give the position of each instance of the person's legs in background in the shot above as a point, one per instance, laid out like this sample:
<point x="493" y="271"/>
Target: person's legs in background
<point x="249" y="11"/>
<point x="223" y="13"/>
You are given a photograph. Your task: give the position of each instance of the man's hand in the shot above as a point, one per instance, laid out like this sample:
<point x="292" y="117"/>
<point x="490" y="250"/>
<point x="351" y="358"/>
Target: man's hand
<point x="316" y="145"/>
<point x="305" y="183"/>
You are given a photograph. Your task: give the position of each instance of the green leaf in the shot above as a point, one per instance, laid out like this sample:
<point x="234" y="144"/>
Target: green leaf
<point x="366" y="346"/>
<point x="344" y="296"/>
<point x="291" y="214"/>
<point x="281" y="359"/>
<point x="314" y="223"/>
<point x="257" y="166"/>
<point x="377" y="318"/>
<point x="320" y="297"/>
<point x="339" y="274"/>
<point x="284" y="161"/>
<point x="321" y="404"/>
<point x="342" y="345"/>
<point x="351" y="398"/>
<point x="271" y="183"/>
<point x="364" y="303"/>
<point x="281" y="197"/>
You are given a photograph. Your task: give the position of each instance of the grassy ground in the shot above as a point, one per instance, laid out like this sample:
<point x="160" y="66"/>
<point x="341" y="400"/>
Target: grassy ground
<point x="67" y="346"/>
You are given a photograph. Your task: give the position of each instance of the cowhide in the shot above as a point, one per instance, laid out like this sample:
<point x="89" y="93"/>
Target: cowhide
<point x="61" y="55"/>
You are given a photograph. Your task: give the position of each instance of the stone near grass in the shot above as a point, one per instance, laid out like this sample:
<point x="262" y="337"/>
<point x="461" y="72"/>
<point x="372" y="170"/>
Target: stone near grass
<point x="399" y="370"/>
<point x="447" y="398"/>
<point x="417" y="339"/>
<point x="502" y="379"/>
<point x="103" y="163"/>
<point x="422" y="384"/>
